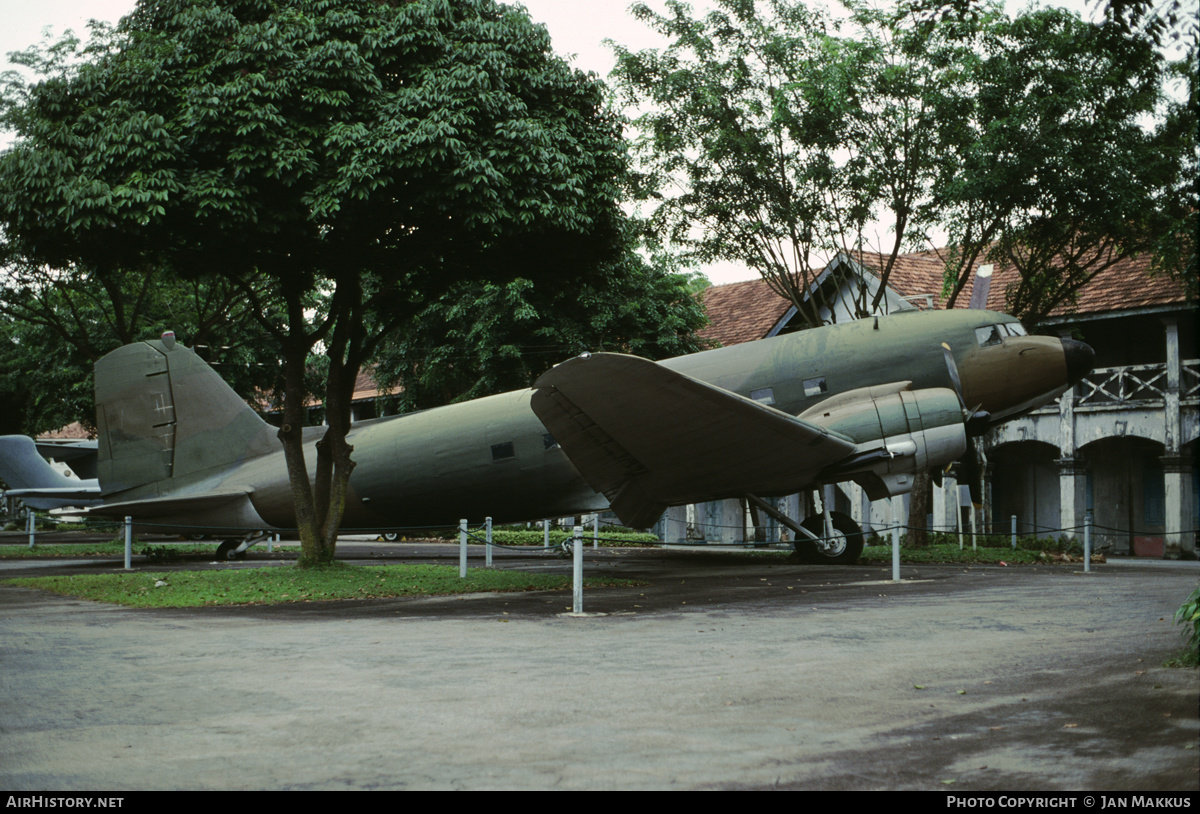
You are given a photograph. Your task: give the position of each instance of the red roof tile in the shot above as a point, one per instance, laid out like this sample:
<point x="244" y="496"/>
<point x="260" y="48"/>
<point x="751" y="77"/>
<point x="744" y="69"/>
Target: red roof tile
<point x="741" y="312"/>
<point x="1127" y="284"/>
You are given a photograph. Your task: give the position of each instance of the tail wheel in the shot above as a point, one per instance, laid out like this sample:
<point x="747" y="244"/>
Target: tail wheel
<point x="227" y="550"/>
<point x="844" y="548"/>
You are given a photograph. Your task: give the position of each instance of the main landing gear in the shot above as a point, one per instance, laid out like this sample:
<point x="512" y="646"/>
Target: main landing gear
<point x="844" y="546"/>
<point x="841" y="546"/>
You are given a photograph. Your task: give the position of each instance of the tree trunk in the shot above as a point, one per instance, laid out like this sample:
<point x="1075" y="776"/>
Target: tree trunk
<point x="918" y="509"/>
<point x="292" y="436"/>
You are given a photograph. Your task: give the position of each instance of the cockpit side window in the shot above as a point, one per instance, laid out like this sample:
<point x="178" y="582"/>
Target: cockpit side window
<point x="988" y="335"/>
<point x="1015" y="329"/>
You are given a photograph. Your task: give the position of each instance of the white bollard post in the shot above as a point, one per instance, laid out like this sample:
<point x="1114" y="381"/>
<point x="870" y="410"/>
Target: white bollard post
<point x="895" y="540"/>
<point x="546" y="533"/>
<point x="30" y="525"/>
<point x="958" y="512"/>
<point x="462" y="548"/>
<point x="577" y="570"/>
<point x="596" y="530"/>
<point x="128" y="543"/>
<point x="1014" y="532"/>
<point x="488" y="547"/>
<point x="1087" y="541"/>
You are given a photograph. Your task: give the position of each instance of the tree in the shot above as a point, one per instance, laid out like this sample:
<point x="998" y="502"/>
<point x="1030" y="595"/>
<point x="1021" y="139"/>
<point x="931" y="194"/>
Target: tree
<point x="1061" y="176"/>
<point x="59" y="323"/>
<point x="379" y="153"/>
<point x="767" y="137"/>
<point x="483" y="337"/>
<point x="775" y="135"/>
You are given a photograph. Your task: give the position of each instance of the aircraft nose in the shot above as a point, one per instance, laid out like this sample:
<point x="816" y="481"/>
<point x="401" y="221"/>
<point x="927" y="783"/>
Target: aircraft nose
<point x="1080" y="359"/>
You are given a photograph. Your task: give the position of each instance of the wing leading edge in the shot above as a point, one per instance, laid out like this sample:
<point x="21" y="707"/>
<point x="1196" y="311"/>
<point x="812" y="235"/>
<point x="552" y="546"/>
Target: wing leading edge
<point x="648" y="437"/>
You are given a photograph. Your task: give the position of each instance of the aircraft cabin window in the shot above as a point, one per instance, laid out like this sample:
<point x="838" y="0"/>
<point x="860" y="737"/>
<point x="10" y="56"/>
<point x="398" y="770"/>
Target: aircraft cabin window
<point x="815" y="387"/>
<point x="764" y="396"/>
<point x="548" y="441"/>
<point x="502" y="451"/>
<point x="989" y="335"/>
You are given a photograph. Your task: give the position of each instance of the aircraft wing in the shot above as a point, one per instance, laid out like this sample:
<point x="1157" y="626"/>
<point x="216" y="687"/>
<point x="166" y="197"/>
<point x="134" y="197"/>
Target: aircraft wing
<point x="648" y="437"/>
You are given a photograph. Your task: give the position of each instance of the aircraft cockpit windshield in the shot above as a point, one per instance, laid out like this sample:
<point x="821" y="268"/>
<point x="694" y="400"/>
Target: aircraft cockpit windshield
<point x="988" y="335"/>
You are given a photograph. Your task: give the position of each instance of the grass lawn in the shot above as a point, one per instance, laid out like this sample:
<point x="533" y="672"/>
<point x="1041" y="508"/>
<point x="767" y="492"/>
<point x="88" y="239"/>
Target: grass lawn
<point x="286" y="583"/>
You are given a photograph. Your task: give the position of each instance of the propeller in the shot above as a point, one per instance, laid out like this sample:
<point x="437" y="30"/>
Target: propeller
<point x="976" y="423"/>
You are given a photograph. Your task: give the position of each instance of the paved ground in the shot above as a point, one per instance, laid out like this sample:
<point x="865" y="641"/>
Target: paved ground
<point x="725" y="671"/>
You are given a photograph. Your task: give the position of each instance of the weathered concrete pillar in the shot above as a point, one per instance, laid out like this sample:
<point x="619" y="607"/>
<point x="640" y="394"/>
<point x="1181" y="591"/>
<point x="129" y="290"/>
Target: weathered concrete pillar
<point x="1172" y="416"/>
<point x="1179" y="538"/>
<point x="1072" y="495"/>
<point x="672" y="526"/>
<point x="723" y="521"/>
<point x="945" y="505"/>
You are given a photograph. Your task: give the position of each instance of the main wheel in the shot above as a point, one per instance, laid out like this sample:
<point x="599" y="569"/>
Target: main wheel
<point x="843" y="548"/>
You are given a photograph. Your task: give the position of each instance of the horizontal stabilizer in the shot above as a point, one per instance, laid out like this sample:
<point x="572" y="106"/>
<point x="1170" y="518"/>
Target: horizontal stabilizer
<point x="58" y="493"/>
<point x="648" y="437"/>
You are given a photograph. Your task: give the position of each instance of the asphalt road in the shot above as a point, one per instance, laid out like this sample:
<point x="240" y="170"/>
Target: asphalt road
<point x="725" y="671"/>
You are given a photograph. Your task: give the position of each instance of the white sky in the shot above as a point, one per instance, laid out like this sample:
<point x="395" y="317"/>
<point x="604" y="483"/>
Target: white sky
<point x="578" y="29"/>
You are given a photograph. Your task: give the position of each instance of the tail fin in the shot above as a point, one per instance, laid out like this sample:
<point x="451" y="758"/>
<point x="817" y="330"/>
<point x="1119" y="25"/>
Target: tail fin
<point x="164" y="413"/>
<point x="30" y="477"/>
<point x="22" y="467"/>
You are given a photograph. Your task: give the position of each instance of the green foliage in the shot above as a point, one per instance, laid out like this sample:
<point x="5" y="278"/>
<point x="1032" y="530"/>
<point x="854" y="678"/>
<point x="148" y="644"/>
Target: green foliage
<point x="536" y="537"/>
<point x="485" y="338"/>
<point x="270" y="586"/>
<point x="1025" y="542"/>
<point x="1188" y="616"/>
<point x="1072" y="158"/>
<point x="59" y="324"/>
<point x="881" y="552"/>
<point x="778" y="135"/>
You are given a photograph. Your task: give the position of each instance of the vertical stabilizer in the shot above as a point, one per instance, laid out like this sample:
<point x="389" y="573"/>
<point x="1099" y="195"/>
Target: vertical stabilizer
<point x="23" y="467"/>
<point x="163" y="413"/>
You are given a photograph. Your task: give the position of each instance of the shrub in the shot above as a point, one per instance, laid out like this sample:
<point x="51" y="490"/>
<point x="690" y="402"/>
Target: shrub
<point x="1188" y="615"/>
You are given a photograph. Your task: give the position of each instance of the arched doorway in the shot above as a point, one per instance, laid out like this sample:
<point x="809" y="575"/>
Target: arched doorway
<point x="1126" y="495"/>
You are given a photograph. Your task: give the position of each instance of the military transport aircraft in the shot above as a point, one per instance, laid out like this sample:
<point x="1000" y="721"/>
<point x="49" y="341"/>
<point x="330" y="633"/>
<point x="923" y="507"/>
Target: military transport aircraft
<point x="873" y="401"/>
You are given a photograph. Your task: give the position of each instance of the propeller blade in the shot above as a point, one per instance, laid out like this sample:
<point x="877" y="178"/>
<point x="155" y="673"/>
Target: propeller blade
<point x="952" y="367"/>
<point x="977" y="421"/>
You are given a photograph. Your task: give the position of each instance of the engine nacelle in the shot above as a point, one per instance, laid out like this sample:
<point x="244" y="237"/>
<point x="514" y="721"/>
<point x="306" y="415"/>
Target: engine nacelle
<point x="899" y="432"/>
